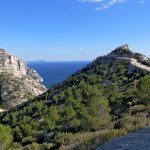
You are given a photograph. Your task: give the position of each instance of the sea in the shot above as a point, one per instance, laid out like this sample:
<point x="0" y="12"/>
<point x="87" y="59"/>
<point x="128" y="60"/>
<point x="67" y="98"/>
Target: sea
<point x="56" y="72"/>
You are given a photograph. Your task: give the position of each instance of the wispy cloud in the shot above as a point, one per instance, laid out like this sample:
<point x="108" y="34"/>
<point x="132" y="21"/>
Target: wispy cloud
<point x="105" y="4"/>
<point x="108" y="4"/>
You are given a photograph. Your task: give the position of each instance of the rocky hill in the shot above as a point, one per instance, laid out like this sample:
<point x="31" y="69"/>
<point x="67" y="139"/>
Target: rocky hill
<point x="109" y="97"/>
<point x="136" y="61"/>
<point x="18" y="83"/>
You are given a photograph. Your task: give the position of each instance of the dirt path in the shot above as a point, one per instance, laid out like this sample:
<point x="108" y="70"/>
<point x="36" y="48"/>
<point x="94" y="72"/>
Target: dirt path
<point x="139" y="65"/>
<point x="134" y="62"/>
<point x="2" y="110"/>
<point x="139" y="140"/>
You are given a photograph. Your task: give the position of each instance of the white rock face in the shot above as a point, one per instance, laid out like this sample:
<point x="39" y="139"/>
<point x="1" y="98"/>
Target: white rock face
<point x="17" y="66"/>
<point x="11" y="63"/>
<point x="27" y="80"/>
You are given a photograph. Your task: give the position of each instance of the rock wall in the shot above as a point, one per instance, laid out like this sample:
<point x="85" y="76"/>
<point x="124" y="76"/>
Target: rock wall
<point x="17" y="66"/>
<point x="14" y="73"/>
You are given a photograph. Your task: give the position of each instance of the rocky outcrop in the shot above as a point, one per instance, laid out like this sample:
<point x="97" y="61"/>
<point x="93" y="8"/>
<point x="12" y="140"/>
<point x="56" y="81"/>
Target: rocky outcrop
<point x="17" y="66"/>
<point x="136" y="61"/>
<point x="122" y="51"/>
<point x="127" y="52"/>
<point x="18" y="83"/>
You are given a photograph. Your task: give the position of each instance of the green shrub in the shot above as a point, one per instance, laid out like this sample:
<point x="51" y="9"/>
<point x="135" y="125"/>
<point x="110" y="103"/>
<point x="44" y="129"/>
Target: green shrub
<point x="33" y="146"/>
<point x="131" y="123"/>
<point x="27" y="140"/>
<point x="6" y="137"/>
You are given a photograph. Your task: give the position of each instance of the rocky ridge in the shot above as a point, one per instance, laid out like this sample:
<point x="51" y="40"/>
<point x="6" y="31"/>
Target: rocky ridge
<point x="18" y="83"/>
<point x="136" y="61"/>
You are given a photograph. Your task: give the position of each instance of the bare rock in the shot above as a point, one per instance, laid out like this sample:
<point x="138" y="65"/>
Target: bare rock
<point x="18" y="83"/>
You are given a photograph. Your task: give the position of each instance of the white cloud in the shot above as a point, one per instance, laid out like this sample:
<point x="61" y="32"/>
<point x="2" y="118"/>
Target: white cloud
<point x="105" y="4"/>
<point x="108" y="4"/>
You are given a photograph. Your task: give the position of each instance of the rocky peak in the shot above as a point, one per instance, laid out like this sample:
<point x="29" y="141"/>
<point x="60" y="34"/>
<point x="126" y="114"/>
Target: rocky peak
<point x="123" y="48"/>
<point x="122" y="51"/>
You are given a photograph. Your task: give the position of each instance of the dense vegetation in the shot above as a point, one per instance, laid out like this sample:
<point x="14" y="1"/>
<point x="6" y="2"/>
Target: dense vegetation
<point x="98" y="103"/>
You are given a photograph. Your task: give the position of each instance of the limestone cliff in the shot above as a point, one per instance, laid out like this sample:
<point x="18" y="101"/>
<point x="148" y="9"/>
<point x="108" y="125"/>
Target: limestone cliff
<point x="18" y="83"/>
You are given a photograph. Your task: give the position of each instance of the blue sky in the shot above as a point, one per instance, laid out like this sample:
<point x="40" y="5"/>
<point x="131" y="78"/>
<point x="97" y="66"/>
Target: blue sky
<point x="63" y="30"/>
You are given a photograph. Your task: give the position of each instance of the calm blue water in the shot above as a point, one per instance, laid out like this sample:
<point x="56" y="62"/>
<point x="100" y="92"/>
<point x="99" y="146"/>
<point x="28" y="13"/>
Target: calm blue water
<point x="56" y="72"/>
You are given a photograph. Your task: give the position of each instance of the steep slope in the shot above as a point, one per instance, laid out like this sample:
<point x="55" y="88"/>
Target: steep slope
<point x="107" y="98"/>
<point x="18" y="83"/>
